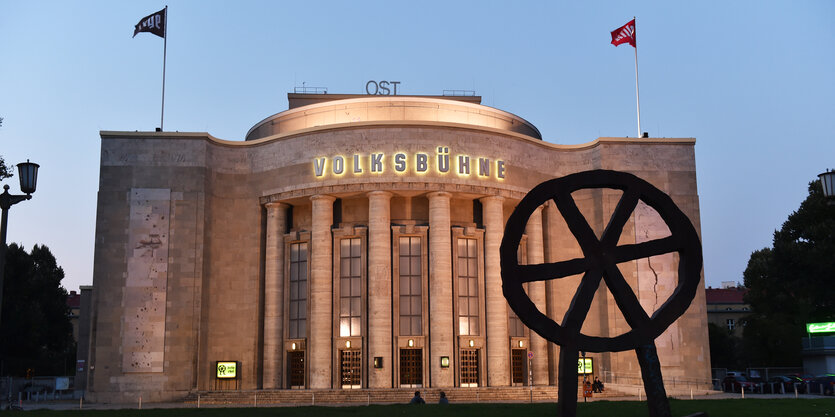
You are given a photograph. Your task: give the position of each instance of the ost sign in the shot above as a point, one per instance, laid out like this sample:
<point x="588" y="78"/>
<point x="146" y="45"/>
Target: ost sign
<point x="402" y="162"/>
<point x="381" y="88"/>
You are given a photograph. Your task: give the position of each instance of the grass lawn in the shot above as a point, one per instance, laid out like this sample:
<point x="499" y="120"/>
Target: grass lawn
<point x="714" y="408"/>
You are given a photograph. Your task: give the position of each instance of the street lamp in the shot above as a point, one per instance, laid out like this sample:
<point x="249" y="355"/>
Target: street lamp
<point x="828" y="183"/>
<point x="28" y="181"/>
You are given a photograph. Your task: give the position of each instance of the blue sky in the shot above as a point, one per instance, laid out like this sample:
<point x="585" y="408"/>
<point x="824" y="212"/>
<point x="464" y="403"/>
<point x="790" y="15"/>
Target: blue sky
<point x="752" y="81"/>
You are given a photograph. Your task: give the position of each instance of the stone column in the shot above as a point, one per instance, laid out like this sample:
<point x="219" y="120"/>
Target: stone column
<point x="321" y="299"/>
<point x="441" y="334"/>
<point x="498" y="341"/>
<point x="536" y="292"/>
<point x="274" y="294"/>
<point x="379" y="287"/>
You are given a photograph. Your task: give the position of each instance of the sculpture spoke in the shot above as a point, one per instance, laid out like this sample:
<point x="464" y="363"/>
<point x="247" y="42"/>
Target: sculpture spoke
<point x="654" y="247"/>
<point x="576" y="221"/>
<point x="580" y="304"/>
<point x="625" y="298"/>
<point x="544" y="272"/>
<point x="625" y="208"/>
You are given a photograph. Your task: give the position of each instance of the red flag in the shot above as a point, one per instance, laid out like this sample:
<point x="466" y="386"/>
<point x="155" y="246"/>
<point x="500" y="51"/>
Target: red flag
<point x="624" y="34"/>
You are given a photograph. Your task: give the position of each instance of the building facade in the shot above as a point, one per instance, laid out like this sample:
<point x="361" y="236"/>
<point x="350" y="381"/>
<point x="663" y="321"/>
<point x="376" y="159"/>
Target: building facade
<point x="353" y="242"/>
<point x="726" y="308"/>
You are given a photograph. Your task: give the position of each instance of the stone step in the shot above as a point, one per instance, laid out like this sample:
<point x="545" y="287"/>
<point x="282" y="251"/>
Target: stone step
<point x="379" y="396"/>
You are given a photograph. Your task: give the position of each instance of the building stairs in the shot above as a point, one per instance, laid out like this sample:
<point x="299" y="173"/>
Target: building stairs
<point x="381" y="396"/>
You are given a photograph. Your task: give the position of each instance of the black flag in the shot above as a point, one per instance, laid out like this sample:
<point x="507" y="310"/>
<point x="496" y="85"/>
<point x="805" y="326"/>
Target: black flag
<point x="154" y="23"/>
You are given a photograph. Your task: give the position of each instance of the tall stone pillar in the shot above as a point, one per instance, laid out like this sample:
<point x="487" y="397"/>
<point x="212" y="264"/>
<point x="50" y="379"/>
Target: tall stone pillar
<point x="321" y="297"/>
<point x="441" y="334"/>
<point x="498" y="342"/>
<point x="379" y="287"/>
<point x="536" y="292"/>
<point x="274" y="294"/>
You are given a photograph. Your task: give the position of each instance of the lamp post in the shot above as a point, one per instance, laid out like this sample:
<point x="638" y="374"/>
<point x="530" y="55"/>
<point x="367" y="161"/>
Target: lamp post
<point x="828" y="183"/>
<point x="28" y="172"/>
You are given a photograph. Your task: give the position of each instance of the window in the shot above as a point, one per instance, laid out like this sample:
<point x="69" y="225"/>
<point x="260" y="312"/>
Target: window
<point x="731" y="324"/>
<point x="411" y="301"/>
<point x="349" y="287"/>
<point x="467" y="287"/>
<point x="517" y="328"/>
<point x="298" y="290"/>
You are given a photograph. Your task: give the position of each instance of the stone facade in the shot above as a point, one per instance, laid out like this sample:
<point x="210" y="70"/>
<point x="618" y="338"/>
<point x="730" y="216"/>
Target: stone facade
<point x="359" y="251"/>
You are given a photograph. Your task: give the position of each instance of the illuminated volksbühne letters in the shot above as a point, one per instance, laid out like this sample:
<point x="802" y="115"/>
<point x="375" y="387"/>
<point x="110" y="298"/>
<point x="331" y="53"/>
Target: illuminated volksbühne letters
<point x="417" y="163"/>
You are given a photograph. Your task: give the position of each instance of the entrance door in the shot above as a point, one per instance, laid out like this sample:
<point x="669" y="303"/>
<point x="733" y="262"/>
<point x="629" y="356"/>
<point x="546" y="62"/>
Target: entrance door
<point x="295" y="366"/>
<point x="469" y="367"/>
<point x="517" y="366"/>
<point x="411" y="368"/>
<point x="350" y="373"/>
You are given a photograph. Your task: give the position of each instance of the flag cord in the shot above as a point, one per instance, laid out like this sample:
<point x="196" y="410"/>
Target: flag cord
<point x="164" y="56"/>
<point x="637" y="91"/>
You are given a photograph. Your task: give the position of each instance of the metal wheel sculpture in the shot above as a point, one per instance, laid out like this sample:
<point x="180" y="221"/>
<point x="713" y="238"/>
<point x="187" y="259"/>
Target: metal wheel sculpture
<point x="600" y="262"/>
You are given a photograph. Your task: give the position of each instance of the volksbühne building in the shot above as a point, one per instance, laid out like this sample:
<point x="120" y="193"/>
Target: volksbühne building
<point x="353" y="242"/>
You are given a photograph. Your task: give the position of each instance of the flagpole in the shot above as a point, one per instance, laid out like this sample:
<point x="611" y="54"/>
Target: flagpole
<point x="164" y="56"/>
<point x="637" y="91"/>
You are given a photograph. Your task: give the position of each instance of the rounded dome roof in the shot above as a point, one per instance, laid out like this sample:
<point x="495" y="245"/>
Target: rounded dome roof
<point x="390" y="108"/>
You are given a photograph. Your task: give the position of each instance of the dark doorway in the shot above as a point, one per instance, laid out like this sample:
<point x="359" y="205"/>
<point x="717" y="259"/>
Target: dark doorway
<point x="411" y="367"/>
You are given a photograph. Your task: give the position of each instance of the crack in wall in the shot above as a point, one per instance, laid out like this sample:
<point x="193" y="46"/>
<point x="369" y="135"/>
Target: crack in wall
<point x="654" y="286"/>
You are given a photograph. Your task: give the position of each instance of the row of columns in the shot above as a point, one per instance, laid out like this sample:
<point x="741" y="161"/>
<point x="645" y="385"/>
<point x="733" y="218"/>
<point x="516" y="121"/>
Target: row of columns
<point x="442" y="328"/>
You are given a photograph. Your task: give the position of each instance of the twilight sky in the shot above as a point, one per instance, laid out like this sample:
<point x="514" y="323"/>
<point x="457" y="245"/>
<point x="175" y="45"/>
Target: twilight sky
<point x="752" y="81"/>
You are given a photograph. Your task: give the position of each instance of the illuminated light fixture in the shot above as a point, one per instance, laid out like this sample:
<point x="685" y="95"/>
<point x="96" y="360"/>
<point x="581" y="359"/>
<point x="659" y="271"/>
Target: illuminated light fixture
<point x="521" y="343"/>
<point x="293" y="346"/>
<point x="827" y="182"/>
<point x="444" y="361"/>
<point x="472" y="343"/>
<point x="348" y="344"/>
<point x="411" y="342"/>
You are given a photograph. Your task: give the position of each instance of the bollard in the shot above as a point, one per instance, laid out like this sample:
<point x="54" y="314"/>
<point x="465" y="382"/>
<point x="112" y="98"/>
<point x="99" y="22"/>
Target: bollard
<point x="140" y="402"/>
<point x="313" y="399"/>
<point x="741" y="388"/>
<point x="198" y="400"/>
<point x="368" y="400"/>
<point x="256" y="401"/>
<point x="795" y="390"/>
<point x="691" y="393"/>
<point x="81" y="403"/>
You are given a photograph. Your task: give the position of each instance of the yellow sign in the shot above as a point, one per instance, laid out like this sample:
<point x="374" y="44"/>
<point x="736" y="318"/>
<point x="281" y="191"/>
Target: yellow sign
<point x="584" y="366"/>
<point x="227" y="370"/>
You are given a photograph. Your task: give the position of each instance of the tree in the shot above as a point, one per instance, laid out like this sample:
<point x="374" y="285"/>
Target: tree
<point x="36" y="332"/>
<point x="5" y="170"/>
<point x="724" y="348"/>
<point x="790" y="284"/>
